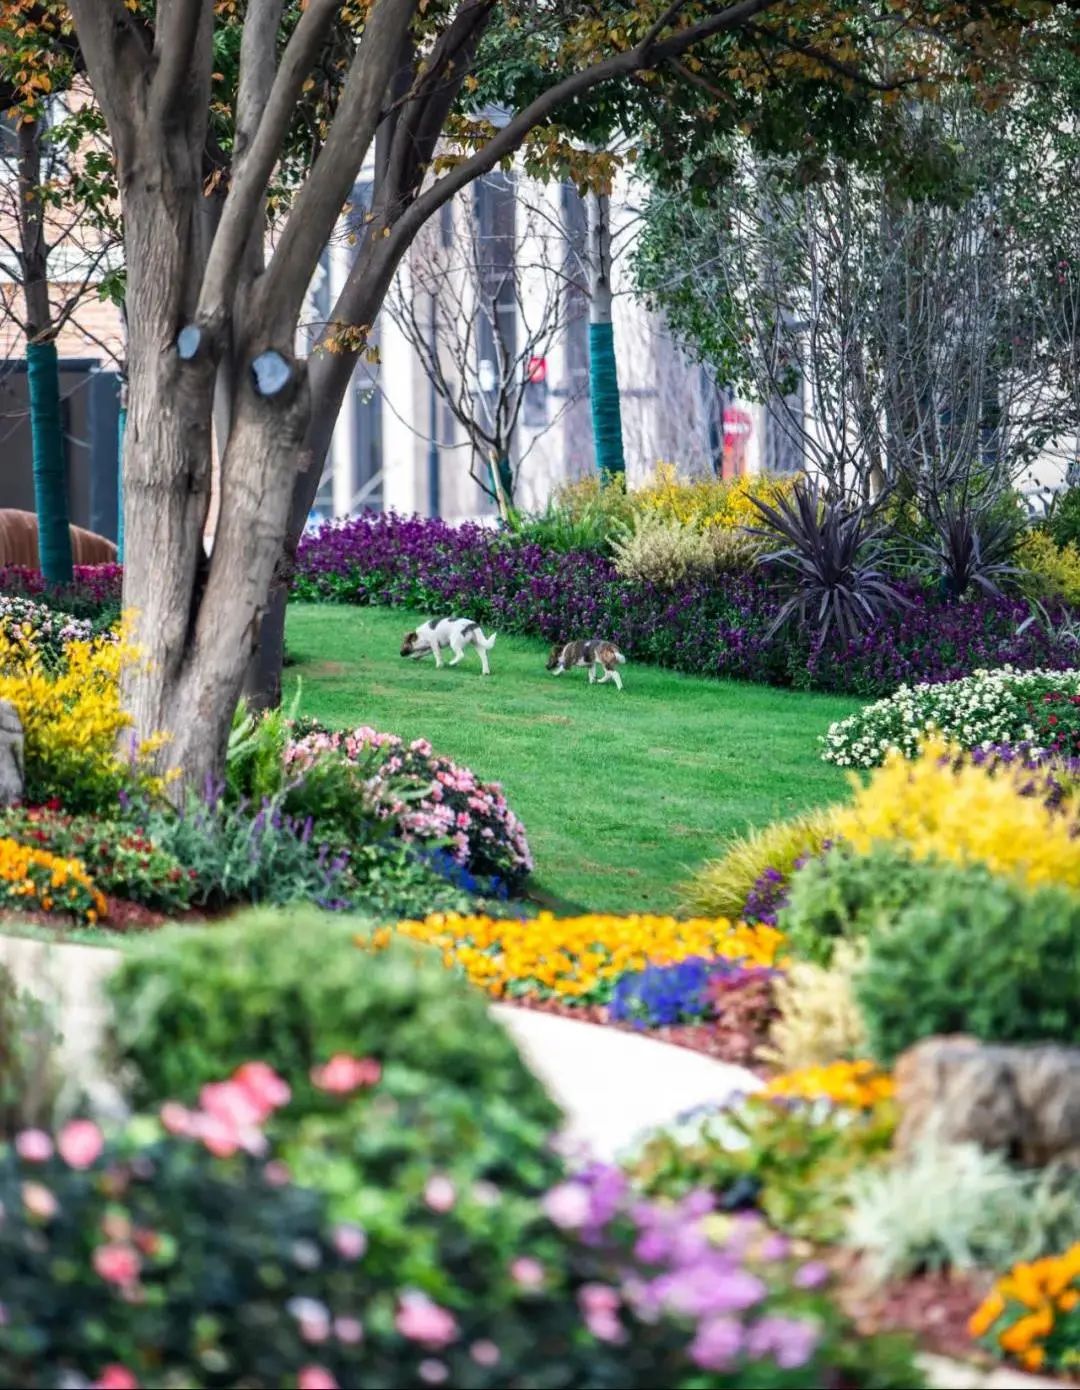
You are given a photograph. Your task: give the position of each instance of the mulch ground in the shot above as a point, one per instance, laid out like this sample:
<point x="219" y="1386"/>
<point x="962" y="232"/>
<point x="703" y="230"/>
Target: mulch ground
<point x="933" y="1307"/>
<point x="724" y="1044"/>
<point x="121" y="916"/>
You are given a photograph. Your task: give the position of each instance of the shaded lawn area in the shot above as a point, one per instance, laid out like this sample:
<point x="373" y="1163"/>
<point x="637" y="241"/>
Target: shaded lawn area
<point x="621" y="794"/>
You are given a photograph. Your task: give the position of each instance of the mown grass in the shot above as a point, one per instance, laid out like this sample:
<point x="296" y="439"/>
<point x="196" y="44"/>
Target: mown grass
<point x="622" y="794"/>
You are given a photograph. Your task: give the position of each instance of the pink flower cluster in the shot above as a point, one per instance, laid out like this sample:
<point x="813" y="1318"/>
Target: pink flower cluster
<point x="471" y="816"/>
<point x="230" y="1114"/>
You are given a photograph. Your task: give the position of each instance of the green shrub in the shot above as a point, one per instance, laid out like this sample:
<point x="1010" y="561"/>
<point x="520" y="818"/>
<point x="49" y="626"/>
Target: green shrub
<point x="975" y="954"/>
<point x="1063" y="519"/>
<point x="30" y="1078"/>
<point x="842" y="895"/>
<point x="236" y="853"/>
<point x="293" y="989"/>
<point x="1049" y="571"/>
<point x="721" y="887"/>
<point x="656" y="549"/>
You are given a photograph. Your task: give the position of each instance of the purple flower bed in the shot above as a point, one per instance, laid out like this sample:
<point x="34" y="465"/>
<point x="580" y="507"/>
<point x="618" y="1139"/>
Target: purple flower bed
<point x="93" y="593"/>
<point x="715" y="629"/>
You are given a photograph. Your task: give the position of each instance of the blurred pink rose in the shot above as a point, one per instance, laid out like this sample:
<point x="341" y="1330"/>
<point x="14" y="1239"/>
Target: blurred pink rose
<point x="34" y="1145"/>
<point x="349" y="1330"/>
<point x="315" y="1378"/>
<point x="440" y="1193"/>
<point x="116" y="1377"/>
<point x="568" y="1206"/>
<point x="263" y="1084"/>
<point x="80" y="1143"/>
<point x="432" y="1372"/>
<point x="276" y="1173"/>
<point x="423" y="1321"/>
<point x="350" y="1242"/>
<point x="233" y="1104"/>
<point x="484" y="1353"/>
<point x="175" y="1118"/>
<point x="39" y="1201"/>
<point x="218" y="1135"/>
<point x="117" y="1263"/>
<point x="343" y="1074"/>
<point x="526" y="1272"/>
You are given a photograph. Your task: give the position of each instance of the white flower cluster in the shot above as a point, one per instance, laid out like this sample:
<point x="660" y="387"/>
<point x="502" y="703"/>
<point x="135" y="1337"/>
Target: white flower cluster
<point x="985" y="708"/>
<point x="24" y="618"/>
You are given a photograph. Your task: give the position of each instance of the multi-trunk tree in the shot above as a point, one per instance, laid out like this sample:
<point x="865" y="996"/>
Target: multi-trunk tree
<point x="212" y="318"/>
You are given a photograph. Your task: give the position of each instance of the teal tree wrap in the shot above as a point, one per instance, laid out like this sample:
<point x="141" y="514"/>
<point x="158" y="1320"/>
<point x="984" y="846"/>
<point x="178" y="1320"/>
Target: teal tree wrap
<point x="604" y="394"/>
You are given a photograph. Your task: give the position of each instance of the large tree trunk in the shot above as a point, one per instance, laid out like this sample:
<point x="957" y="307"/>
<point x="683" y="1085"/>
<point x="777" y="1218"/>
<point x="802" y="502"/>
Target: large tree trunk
<point x="166" y="440"/>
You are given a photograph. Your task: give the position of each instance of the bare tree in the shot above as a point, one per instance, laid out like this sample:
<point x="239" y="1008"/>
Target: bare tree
<point x="484" y="296"/>
<point x="898" y="341"/>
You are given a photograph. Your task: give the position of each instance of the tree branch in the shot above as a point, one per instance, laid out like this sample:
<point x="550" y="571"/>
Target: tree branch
<point x="507" y="140"/>
<point x="320" y="200"/>
<point x="245" y="197"/>
<point x="117" y="55"/>
<point x="178" y="25"/>
<point x="258" y="67"/>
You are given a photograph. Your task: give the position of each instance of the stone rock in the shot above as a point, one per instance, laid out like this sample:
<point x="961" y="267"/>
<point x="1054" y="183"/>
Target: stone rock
<point x="1022" y="1102"/>
<point x="11" y="754"/>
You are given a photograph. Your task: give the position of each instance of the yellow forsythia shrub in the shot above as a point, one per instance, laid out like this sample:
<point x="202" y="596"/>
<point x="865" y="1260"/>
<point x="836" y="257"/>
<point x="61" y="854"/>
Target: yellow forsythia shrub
<point x="578" y="959"/>
<point x="73" y="722"/>
<point x="1049" y="571"/>
<point x="707" y="502"/>
<point x="963" y="813"/>
<point x="36" y="881"/>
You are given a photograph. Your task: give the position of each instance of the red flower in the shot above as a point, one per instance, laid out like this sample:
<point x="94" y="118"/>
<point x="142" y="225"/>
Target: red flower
<point x="54" y="804"/>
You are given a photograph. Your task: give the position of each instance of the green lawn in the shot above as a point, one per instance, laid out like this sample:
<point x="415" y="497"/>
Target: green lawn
<point x="621" y="794"/>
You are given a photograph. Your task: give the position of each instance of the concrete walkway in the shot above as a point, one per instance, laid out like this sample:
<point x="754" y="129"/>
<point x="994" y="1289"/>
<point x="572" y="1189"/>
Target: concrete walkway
<point x="612" y="1085"/>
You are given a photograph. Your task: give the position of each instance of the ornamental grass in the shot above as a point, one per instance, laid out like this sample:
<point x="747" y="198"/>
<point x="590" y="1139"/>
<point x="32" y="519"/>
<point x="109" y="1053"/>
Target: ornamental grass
<point x="578" y="960"/>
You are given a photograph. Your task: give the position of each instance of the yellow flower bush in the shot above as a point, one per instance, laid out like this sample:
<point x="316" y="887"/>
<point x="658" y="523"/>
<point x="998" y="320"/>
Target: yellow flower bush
<point x="708" y="502"/>
<point x="966" y="814"/>
<point x="1033" y="1313"/>
<point x="34" y="880"/>
<point x="577" y="959"/>
<point x="1049" y="571"/>
<point x="857" y="1085"/>
<point x="73" y="721"/>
